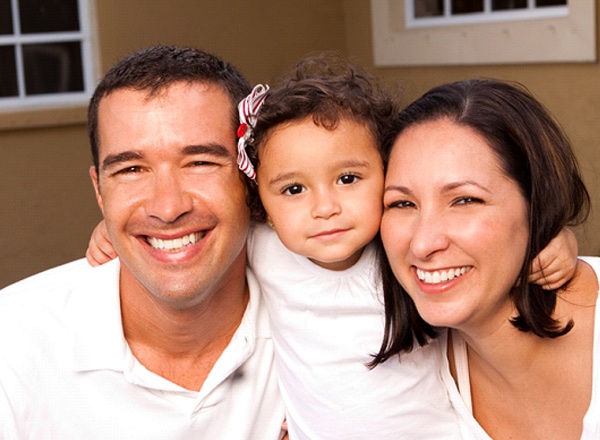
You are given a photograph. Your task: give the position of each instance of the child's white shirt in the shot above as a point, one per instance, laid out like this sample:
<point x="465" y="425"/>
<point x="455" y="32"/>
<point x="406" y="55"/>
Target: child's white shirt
<point x="326" y="325"/>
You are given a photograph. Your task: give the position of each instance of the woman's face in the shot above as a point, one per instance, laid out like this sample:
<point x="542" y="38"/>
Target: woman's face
<point x="455" y="226"/>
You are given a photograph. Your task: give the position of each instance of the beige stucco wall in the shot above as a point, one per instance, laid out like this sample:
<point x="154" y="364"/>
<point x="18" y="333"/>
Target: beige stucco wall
<point x="48" y="208"/>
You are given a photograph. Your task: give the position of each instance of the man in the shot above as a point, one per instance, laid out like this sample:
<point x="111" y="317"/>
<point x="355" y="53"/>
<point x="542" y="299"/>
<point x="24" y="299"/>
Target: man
<point x="169" y="341"/>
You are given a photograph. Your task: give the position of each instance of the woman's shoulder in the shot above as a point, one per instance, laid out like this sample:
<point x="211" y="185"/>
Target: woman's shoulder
<point x="592" y="262"/>
<point x="585" y="283"/>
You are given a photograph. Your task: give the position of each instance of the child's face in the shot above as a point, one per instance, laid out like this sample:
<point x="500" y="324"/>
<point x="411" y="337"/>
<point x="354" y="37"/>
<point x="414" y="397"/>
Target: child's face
<point x="322" y="189"/>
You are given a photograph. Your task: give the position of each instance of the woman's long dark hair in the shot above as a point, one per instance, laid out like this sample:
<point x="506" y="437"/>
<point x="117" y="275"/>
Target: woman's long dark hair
<point x="534" y="152"/>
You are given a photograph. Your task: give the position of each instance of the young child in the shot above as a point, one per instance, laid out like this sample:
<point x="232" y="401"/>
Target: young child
<point x="315" y="147"/>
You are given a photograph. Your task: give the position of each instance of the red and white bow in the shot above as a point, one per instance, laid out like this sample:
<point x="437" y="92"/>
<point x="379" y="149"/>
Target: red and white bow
<point x="248" y="109"/>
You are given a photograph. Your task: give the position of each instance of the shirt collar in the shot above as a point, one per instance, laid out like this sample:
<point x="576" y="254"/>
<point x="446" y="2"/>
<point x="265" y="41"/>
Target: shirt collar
<point x="254" y="325"/>
<point x="99" y="344"/>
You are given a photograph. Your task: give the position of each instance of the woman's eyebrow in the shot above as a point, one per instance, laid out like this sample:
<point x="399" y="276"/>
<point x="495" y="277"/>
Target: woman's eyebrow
<point x="446" y="188"/>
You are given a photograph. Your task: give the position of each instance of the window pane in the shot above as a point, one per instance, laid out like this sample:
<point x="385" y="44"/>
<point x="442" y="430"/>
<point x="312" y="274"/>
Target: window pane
<point x="48" y="16"/>
<point x="5" y="18"/>
<point x="466" y="6"/>
<point x="52" y="68"/>
<point x="540" y="3"/>
<point x="429" y="8"/>
<point x="498" y="5"/>
<point x="8" y="72"/>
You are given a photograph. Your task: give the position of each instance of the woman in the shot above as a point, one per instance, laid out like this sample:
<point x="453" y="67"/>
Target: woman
<point x="479" y="179"/>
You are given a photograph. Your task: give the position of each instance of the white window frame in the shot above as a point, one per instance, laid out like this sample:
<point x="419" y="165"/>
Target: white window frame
<point x="85" y="36"/>
<point x="564" y="38"/>
<point x="531" y="12"/>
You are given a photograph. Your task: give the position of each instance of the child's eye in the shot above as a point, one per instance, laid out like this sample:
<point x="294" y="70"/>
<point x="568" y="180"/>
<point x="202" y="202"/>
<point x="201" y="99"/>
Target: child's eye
<point x="293" y="190"/>
<point x="347" y="179"/>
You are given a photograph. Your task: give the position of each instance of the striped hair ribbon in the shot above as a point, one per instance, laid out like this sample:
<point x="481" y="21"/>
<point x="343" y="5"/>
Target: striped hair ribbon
<point x="248" y="109"/>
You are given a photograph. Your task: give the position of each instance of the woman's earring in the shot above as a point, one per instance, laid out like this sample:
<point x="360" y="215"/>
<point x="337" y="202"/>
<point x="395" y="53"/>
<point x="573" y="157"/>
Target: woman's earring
<point x="270" y="223"/>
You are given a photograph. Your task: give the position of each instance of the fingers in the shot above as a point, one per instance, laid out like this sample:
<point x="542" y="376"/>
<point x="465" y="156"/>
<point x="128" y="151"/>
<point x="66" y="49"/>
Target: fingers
<point x="284" y="431"/>
<point x="97" y="256"/>
<point x="555" y="265"/>
<point x="554" y="275"/>
<point x="550" y="282"/>
<point x="100" y="250"/>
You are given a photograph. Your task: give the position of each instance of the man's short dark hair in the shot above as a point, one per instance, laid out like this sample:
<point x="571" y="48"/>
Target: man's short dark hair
<point x="155" y="68"/>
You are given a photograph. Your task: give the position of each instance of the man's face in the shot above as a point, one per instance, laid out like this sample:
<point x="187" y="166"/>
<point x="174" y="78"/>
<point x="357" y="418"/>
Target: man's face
<point x="171" y="192"/>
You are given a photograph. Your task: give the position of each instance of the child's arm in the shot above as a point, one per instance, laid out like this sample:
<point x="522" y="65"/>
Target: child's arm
<point x="555" y="264"/>
<point x="100" y="249"/>
<point x="284" y="431"/>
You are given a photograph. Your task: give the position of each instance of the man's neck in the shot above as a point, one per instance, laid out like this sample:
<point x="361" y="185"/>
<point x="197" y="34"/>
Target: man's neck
<point x="182" y="345"/>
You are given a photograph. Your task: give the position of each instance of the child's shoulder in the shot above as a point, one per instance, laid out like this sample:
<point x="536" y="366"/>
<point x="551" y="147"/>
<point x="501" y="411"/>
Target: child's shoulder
<point x="261" y="233"/>
<point x="263" y="240"/>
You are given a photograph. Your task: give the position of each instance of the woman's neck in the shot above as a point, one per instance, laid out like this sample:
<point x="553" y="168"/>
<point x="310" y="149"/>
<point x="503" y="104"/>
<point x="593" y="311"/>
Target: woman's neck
<point x="540" y="387"/>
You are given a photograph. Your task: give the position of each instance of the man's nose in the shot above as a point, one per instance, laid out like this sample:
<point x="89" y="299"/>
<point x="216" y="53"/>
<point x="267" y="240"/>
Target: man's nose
<point x="168" y="199"/>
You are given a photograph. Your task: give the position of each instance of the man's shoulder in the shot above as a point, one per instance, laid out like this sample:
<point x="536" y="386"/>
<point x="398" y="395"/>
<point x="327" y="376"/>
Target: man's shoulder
<point x="50" y="303"/>
<point x="52" y="288"/>
<point x="58" y="277"/>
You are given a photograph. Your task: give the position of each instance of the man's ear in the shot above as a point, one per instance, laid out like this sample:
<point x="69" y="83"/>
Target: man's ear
<point x="94" y="177"/>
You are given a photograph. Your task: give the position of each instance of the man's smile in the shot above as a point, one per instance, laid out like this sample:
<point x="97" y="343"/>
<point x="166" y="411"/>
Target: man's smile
<point x="175" y="244"/>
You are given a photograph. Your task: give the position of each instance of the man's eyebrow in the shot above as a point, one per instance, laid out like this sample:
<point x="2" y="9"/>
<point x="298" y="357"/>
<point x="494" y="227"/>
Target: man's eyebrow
<point x="211" y="148"/>
<point x="113" y="159"/>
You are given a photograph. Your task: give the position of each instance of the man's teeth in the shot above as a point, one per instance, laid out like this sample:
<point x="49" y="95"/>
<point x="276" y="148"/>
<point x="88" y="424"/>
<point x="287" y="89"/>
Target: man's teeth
<point x="175" y="244"/>
<point x="439" y="276"/>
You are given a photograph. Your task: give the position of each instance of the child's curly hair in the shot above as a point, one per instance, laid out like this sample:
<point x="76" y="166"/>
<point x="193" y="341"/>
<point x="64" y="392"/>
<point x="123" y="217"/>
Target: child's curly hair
<point x="328" y="88"/>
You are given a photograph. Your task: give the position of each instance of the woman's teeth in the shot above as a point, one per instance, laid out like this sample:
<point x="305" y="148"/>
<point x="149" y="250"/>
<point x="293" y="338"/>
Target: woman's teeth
<point x="439" y="276"/>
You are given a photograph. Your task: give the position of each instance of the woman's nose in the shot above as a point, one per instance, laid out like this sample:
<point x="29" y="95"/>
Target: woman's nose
<point x="429" y="235"/>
